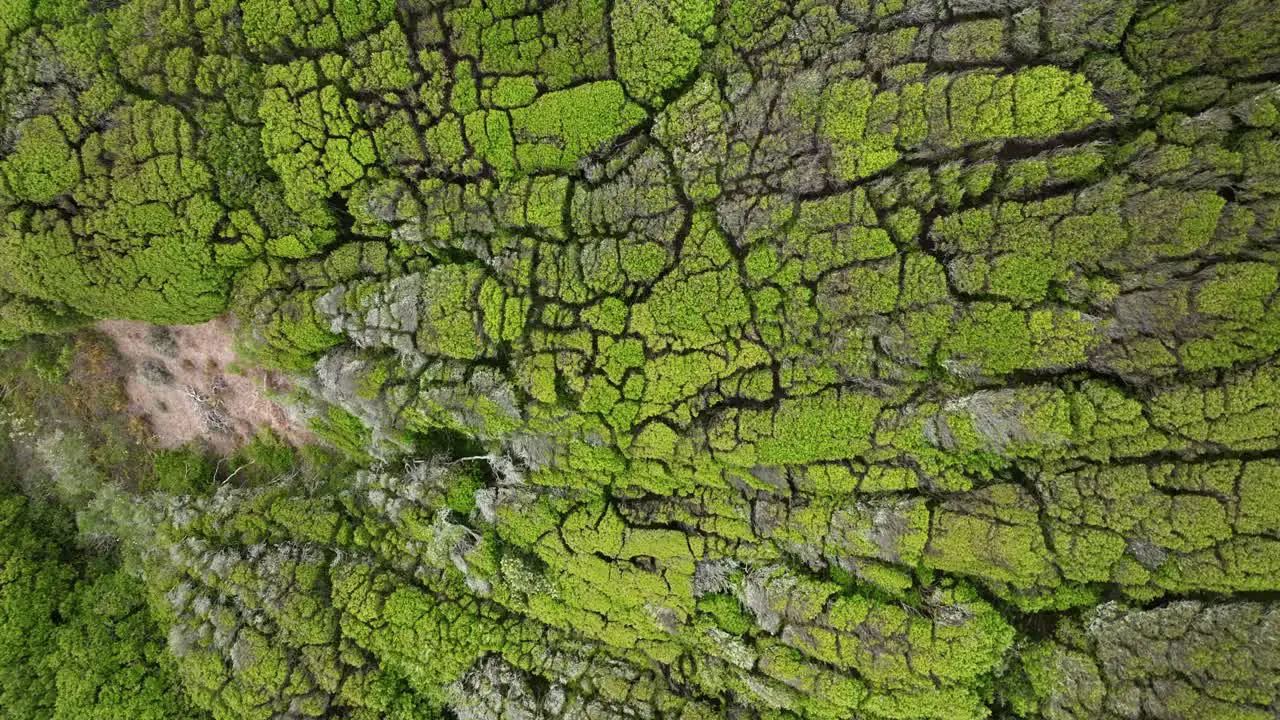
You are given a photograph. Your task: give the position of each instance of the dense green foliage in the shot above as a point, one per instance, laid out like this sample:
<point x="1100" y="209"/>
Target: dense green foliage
<point x="884" y="359"/>
<point x="76" y="642"/>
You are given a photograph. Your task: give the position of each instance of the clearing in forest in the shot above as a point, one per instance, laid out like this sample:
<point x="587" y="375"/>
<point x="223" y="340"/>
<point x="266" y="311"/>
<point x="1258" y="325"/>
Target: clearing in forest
<point x="186" y="385"/>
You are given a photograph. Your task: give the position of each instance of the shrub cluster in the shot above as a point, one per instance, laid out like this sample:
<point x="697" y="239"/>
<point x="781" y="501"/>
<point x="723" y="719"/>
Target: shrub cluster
<point x="817" y="359"/>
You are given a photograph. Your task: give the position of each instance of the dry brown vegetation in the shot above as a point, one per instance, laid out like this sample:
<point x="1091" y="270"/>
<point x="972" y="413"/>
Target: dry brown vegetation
<point x="185" y="384"/>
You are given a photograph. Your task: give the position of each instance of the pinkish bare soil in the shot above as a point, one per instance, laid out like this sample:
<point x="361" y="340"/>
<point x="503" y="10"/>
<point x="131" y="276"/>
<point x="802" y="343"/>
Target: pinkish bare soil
<point x="182" y="385"/>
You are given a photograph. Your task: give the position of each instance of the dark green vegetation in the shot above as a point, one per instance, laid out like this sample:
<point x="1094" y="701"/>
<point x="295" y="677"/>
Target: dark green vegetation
<point x="876" y="359"/>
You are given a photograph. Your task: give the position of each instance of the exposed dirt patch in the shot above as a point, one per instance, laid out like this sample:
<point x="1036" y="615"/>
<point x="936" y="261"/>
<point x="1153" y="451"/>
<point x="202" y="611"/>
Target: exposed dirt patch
<point x="183" y="385"/>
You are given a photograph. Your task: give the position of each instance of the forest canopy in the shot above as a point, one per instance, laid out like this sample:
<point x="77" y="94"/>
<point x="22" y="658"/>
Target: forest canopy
<point x="880" y="359"/>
